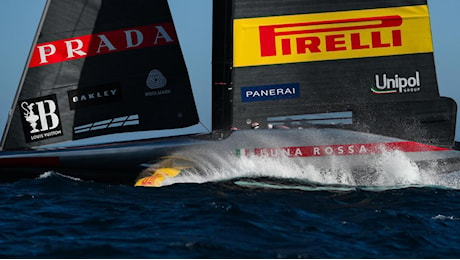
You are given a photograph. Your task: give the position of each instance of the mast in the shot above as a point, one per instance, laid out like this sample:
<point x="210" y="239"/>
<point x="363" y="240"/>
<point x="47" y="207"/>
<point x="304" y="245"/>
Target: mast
<point x="222" y="63"/>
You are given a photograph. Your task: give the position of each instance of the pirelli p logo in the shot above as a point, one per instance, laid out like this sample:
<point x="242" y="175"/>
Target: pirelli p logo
<point x="332" y="36"/>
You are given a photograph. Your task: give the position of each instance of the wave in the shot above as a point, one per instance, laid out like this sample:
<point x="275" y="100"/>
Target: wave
<point x="52" y="174"/>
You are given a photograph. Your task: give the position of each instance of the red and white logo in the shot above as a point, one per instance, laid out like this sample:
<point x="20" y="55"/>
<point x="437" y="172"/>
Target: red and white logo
<point x="103" y="43"/>
<point x="338" y="150"/>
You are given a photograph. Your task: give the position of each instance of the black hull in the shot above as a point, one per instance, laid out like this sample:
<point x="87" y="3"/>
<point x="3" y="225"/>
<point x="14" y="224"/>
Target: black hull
<point x="121" y="163"/>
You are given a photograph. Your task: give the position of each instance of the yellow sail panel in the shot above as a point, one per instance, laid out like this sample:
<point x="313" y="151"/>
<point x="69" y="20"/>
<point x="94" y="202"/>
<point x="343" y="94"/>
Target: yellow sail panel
<point x="332" y="36"/>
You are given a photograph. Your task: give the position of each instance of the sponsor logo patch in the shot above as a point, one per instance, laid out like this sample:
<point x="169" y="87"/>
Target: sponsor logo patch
<point x="270" y="92"/>
<point x="156" y="81"/>
<point x="338" y="150"/>
<point x="332" y="36"/>
<point x="385" y="84"/>
<point x="103" y="43"/>
<point x="94" y="96"/>
<point x="40" y="118"/>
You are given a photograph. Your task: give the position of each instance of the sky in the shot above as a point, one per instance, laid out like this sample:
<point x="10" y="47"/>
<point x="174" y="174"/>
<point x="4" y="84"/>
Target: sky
<point x="19" y="20"/>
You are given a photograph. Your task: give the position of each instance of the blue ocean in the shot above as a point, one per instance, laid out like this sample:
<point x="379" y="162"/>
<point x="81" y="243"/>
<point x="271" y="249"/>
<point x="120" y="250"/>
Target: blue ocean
<point x="251" y="216"/>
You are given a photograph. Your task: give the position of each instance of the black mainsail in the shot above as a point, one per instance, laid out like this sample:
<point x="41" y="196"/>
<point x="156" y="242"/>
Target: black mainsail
<point x="360" y="65"/>
<point x="101" y="67"/>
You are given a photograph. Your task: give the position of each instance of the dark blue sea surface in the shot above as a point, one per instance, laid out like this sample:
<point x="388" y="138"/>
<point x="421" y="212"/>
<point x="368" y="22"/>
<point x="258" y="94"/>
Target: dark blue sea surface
<point x="60" y="217"/>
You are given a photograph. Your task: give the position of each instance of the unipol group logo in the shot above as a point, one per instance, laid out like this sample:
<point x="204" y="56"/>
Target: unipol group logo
<point x="331" y="36"/>
<point x="385" y="84"/>
<point x="40" y="118"/>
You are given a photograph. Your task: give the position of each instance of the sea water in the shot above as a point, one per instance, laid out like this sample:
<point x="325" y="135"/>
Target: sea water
<point x="247" y="209"/>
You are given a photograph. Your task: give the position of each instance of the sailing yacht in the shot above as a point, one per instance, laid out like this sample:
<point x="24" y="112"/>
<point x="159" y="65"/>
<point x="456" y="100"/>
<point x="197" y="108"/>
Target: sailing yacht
<point x="295" y="80"/>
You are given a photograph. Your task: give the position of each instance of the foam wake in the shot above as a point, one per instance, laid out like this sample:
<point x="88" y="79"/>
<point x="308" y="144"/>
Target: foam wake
<point x="388" y="170"/>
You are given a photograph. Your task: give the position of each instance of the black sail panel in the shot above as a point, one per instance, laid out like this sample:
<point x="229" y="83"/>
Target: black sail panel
<point x="102" y="67"/>
<point x="359" y="64"/>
